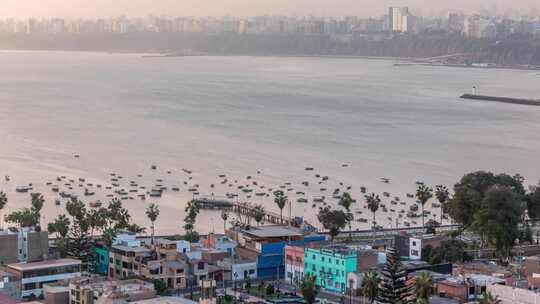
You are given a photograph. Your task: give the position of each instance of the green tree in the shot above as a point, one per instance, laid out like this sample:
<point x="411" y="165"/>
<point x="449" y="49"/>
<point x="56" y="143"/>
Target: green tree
<point x="500" y="217"/>
<point x="394" y="284"/>
<point x="332" y="220"/>
<point x="373" y="201"/>
<point x="80" y="242"/>
<point x="449" y="251"/>
<point x="533" y="203"/>
<point x="488" y="298"/>
<point x="309" y="289"/>
<point x="281" y="200"/>
<point x="3" y="202"/>
<point x="424" y="286"/>
<point x="23" y="218"/>
<point x="370" y="285"/>
<point x="443" y="196"/>
<point x="152" y="212"/>
<point x="192" y="210"/>
<point x="423" y="195"/>
<point x="469" y="193"/>
<point x="37" y="202"/>
<point x="61" y="226"/>
<point x="258" y="214"/>
<point x="346" y="201"/>
<point x="160" y="287"/>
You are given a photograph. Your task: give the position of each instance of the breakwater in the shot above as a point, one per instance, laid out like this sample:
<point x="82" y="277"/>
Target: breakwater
<point x="520" y="101"/>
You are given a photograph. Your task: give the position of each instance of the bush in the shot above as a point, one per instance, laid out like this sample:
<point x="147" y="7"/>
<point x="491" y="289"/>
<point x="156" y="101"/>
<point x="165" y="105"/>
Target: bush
<point x="160" y="287"/>
<point x="270" y="290"/>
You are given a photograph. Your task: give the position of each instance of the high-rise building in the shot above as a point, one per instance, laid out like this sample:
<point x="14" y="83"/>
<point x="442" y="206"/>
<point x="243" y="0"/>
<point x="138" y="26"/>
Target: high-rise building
<point x="399" y="19"/>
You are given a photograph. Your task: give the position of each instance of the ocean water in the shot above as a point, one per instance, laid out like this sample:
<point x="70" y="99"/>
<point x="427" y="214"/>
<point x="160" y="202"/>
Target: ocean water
<point x="243" y="115"/>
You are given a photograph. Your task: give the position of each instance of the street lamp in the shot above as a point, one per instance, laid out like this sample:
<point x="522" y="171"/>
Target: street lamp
<point x="235" y="275"/>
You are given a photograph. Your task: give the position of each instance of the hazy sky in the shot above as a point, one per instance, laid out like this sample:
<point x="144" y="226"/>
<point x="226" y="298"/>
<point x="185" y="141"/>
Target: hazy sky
<point x="108" y="8"/>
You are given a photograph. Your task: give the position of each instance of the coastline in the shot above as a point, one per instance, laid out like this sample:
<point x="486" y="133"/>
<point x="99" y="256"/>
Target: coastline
<point x="401" y="61"/>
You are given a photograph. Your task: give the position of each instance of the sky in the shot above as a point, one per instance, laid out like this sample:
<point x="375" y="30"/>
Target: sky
<point x="135" y="8"/>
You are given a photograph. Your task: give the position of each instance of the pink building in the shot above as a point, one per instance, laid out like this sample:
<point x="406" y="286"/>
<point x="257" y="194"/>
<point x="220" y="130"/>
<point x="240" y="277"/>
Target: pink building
<point x="294" y="263"/>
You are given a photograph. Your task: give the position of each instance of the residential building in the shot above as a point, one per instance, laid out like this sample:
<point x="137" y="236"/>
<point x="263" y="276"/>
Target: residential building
<point x="86" y="290"/>
<point x="219" y="242"/>
<point x="10" y="286"/>
<point x="165" y="300"/>
<point x="32" y="276"/>
<point x="410" y="247"/>
<point x="469" y="287"/>
<point x="126" y="249"/>
<point x="171" y="269"/>
<point x="102" y="258"/>
<point x="266" y="244"/>
<point x="244" y="269"/>
<point x="513" y="295"/>
<point x="23" y="245"/>
<point x="399" y="19"/>
<point x="294" y="263"/>
<point x="330" y="265"/>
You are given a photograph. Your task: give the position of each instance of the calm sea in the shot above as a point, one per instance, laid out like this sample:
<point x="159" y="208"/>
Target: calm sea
<point x="239" y="115"/>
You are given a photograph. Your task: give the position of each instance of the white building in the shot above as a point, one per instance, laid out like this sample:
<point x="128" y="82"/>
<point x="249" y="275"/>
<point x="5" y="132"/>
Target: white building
<point x="33" y="275"/>
<point x="399" y="19"/>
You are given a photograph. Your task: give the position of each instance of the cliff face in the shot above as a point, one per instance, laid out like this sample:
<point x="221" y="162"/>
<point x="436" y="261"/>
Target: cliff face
<point x="509" y="51"/>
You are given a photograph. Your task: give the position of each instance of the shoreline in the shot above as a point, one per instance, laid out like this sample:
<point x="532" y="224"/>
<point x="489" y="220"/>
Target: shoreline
<point x="402" y="61"/>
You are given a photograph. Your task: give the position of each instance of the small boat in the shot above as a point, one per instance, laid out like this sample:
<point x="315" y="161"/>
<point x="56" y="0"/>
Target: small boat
<point x="55" y="189"/>
<point x="22" y="189"/>
<point x="95" y="204"/>
<point x="88" y="193"/>
<point x="309" y="169"/>
<point x="176" y="189"/>
<point x="153" y="167"/>
<point x="302" y="200"/>
<point x="82" y="180"/>
<point x="155" y="193"/>
<point x="385" y="180"/>
<point x="57" y="202"/>
<point x="222" y="176"/>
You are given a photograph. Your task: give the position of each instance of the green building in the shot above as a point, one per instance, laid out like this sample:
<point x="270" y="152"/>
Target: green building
<point x="330" y="266"/>
<point x="102" y="259"/>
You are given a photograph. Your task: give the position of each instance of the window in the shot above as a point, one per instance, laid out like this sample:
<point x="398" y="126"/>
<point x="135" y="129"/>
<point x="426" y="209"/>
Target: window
<point x="414" y="243"/>
<point x="251" y="271"/>
<point x="322" y="258"/>
<point x="414" y="252"/>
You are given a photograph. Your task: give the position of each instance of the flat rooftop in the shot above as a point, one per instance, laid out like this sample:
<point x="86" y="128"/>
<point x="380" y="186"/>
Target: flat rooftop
<point x="273" y="231"/>
<point x="131" y="249"/>
<point x="44" y="264"/>
<point x="166" y="300"/>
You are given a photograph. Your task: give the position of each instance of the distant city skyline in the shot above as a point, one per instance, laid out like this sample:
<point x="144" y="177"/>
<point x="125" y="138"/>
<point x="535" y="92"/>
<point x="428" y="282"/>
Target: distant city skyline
<point x="364" y="8"/>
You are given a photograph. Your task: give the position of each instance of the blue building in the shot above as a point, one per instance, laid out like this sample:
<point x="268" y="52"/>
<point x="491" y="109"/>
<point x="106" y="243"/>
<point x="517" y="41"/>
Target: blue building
<point x="267" y="244"/>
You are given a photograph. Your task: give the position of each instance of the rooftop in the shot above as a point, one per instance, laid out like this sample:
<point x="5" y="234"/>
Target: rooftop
<point x="44" y="264"/>
<point x="166" y="300"/>
<point x="131" y="249"/>
<point x="273" y="231"/>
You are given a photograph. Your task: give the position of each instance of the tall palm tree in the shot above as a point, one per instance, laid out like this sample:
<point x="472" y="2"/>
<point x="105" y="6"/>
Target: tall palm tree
<point x="152" y="212"/>
<point x="224" y="217"/>
<point x="281" y="200"/>
<point x="490" y="299"/>
<point x="443" y="195"/>
<point x="3" y="202"/>
<point x="370" y="285"/>
<point x="423" y="194"/>
<point x="346" y="201"/>
<point x="36" y="205"/>
<point x="424" y="286"/>
<point x="373" y="201"/>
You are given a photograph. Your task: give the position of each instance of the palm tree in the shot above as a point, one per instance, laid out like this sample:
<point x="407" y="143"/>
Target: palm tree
<point x="424" y="286"/>
<point x="258" y="214"/>
<point x="152" y="212"/>
<point x="37" y="204"/>
<point x="3" y="202"/>
<point x="224" y="217"/>
<point x="490" y="299"/>
<point x="423" y="194"/>
<point x="345" y="201"/>
<point x="281" y="200"/>
<point x="309" y="289"/>
<point x="443" y="195"/>
<point x="373" y="201"/>
<point x="370" y="285"/>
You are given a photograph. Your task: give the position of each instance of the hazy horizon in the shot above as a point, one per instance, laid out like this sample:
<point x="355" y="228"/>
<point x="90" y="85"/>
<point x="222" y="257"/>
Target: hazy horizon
<point x="132" y="8"/>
